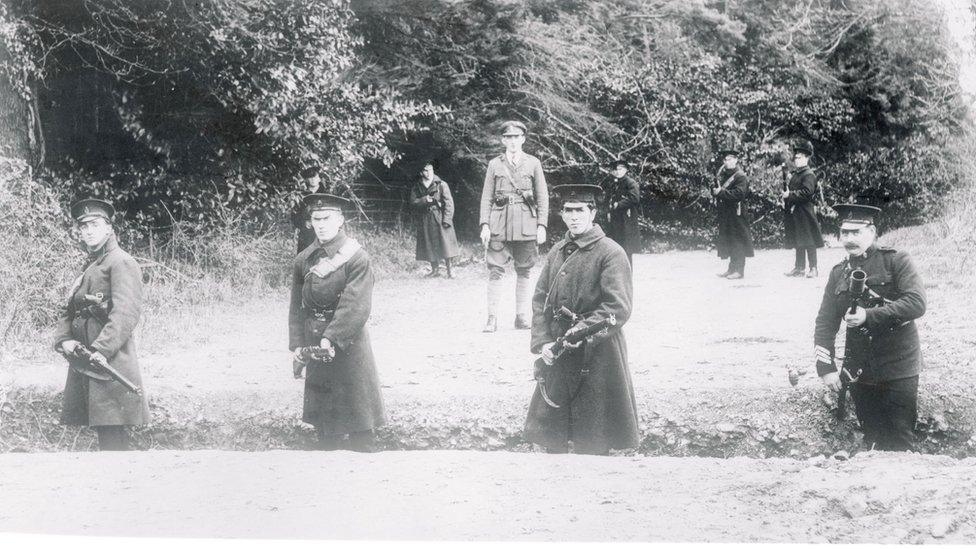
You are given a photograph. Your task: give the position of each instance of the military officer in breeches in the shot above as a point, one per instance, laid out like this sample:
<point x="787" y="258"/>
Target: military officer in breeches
<point x="514" y="213"/>
<point x="331" y="299"/>
<point x="103" y="309"/>
<point x="882" y="353"/>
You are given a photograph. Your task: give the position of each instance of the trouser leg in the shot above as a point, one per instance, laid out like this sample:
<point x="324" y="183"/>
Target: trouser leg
<point x="737" y="264"/>
<point x="812" y="257"/>
<point x="112" y="438"/>
<point x="800" y="259"/>
<point x="900" y="403"/>
<point x="870" y="413"/>
<point x="447" y="264"/>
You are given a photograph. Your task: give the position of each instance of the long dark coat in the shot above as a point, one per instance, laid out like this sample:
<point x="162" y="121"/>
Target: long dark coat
<point x="342" y="396"/>
<point x="734" y="234"/>
<point x="594" y="281"/>
<point x="116" y="275"/>
<point x="802" y="226"/>
<point x="622" y="207"/>
<point x="436" y="239"/>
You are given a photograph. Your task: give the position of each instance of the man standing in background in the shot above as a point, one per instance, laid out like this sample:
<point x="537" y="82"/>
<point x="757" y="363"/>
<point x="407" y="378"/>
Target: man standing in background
<point x="734" y="235"/>
<point x="514" y="213"/>
<point x="622" y="204"/>
<point x="800" y="216"/>
<point x="311" y="184"/>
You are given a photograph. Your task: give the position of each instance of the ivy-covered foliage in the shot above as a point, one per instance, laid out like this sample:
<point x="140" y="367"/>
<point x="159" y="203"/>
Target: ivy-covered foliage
<point x="201" y="105"/>
<point x="177" y="110"/>
<point x="665" y="84"/>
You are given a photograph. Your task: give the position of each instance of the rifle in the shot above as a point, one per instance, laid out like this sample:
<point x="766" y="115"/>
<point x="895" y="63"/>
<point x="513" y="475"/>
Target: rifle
<point x="310" y="354"/>
<point x="856" y="290"/>
<point x="541" y="369"/>
<point x="97" y="367"/>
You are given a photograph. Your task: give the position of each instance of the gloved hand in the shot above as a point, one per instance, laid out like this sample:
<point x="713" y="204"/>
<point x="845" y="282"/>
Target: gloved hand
<point x="832" y="380"/>
<point x="485" y="235"/>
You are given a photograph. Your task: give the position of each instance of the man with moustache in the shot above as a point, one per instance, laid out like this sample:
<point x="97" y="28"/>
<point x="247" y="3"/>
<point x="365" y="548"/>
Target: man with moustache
<point x="331" y="299"/>
<point x="514" y="213"/>
<point x="587" y="274"/>
<point x="883" y="356"/>
<point x="103" y="310"/>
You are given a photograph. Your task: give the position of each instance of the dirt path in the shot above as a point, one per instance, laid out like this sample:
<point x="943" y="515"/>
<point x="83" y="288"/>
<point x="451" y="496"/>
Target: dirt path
<point x="489" y="496"/>
<point x="689" y="330"/>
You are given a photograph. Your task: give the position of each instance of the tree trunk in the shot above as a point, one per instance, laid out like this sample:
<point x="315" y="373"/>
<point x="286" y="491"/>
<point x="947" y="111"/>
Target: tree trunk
<point x="15" y="124"/>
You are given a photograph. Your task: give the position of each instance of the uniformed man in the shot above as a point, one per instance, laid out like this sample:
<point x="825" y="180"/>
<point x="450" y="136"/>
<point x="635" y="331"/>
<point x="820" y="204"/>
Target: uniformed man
<point x="103" y="309"/>
<point x="801" y="224"/>
<point x="734" y="233"/>
<point x="882" y="350"/>
<point x="514" y="214"/>
<point x="622" y="206"/>
<point x="588" y="275"/>
<point x="436" y="240"/>
<point x="331" y="296"/>
<point x="304" y="235"/>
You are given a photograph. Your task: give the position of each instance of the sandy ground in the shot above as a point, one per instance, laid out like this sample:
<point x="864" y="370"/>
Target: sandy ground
<point x="490" y="496"/>
<point x="689" y="330"/>
<point x="692" y="336"/>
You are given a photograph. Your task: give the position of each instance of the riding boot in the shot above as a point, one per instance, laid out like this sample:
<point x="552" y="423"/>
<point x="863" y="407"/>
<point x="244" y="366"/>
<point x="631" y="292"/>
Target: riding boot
<point x="523" y="291"/>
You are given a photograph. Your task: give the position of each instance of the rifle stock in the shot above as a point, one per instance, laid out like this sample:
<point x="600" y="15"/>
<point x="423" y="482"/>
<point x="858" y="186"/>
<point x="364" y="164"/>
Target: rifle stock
<point x="856" y="288"/>
<point x="540" y="368"/>
<point x="100" y="363"/>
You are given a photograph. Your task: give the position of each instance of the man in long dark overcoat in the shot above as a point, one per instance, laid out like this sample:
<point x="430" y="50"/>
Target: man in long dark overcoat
<point x="513" y="216"/>
<point x="883" y="356"/>
<point x="734" y="234"/>
<point x="102" y="313"/>
<point x="800" y="217"/>
<point x="588" y="274"/>
<point x="436" y="240"/>
<point x="622" y="206"/>
<point x="331" y="299"/>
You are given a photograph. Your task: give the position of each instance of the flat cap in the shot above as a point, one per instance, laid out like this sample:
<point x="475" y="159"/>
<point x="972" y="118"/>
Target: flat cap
<point x="92" y="207"/>
<point x="321" y="201"/>
<point x="856" y="214"/>
<point x="577" y="192"/>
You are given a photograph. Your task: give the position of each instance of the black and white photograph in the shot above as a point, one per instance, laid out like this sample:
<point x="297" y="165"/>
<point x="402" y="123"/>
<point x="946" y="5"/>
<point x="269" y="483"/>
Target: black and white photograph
<point x="655" y="271"/>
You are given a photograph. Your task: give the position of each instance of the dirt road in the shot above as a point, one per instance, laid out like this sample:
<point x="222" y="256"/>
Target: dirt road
<point x="490" y="496"/>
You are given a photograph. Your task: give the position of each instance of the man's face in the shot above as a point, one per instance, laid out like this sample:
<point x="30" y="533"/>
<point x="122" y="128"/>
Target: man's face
<point x="312" y="183"/>
<point x="857" y="238"/>
<point x="730" y="161"/>
<point x="800" y="159"/>
<point x="326" y="224"/>
<point x="619" y="171"/>
<point x="513" y="140"/>
<point x="578" y="217"/>
<point x="427" y="172"/>
<point x="94" y="231"/>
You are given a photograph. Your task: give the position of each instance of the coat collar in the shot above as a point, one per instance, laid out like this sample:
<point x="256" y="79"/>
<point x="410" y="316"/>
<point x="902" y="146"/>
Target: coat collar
<point x="583" y="241"/>
<point x="332" y="247"/>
